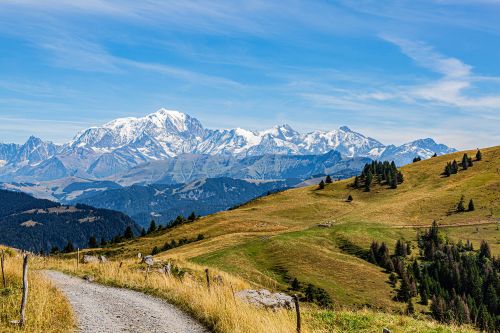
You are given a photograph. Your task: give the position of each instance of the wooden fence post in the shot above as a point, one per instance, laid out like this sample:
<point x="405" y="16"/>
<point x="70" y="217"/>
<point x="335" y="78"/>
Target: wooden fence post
<point x="77" y="258"/>
<point x="3" y="272"/>
<point x="208" y="278"/>
<point x="25" y="291"/>
<point x="297" y="310"/>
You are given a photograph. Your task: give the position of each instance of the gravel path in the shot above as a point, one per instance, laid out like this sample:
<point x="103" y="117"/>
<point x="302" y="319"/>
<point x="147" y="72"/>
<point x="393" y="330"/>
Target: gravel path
<point x="102" y="309"/>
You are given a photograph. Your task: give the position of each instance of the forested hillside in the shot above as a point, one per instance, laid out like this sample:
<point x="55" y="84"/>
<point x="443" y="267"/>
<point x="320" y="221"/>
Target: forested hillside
<point x="42" y="225"/>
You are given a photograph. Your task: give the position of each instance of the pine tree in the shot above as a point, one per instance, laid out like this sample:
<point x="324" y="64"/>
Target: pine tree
<point x="54" y="250"/>
<point x="479" y="156"/>
<point x="103" y="242"/>
<point x="471" y="205"/>
<point x="69" y="247"/>
<point x="143" y="232"/>
<point x="310" y="293"/>
<point x="368" y="182"/>
<point x="454" y="167"/>
<point x="192" y="217"/>
<point x="356" y="182"/>
<point x="155" y="250"/>
<point x="394" y="183"/>
<point x="465" y="162"/>
<point x="435" y="155"/>
<point x="460" y="205"/>
<point x="152" y="227"/>
<point x="410" y="309"/>
<point x="447" y="170"/>
<point x="128" y="234"/>
<point x="92" y="242"/>
<point x="328" y="179"/>
<point x="295" y="284"/>
<point x="321" y="185"/>
<point x="349" y="198"/>
<point x="484" y="250"/>
<point x="469" y="162"/>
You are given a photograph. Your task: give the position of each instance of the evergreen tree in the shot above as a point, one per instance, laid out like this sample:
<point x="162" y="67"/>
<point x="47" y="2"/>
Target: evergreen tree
<point x="417" y="159"/>
<point x="310" y="293"/>
<point x="54" y="250"/>
<point x="479" y="156"/>
<point x="368" y="182"/>
<point x="321" y="185"/>
<point x="200" y="237"/>
<point x="103" y="242"/>
<point x="394" y="183"/>
<point x="92" y="242"/>
<point x="152" y="227"/>
<point x="295" y="284"/>
<point x="484" y="250"/>
<point x="192" y="217"/>
<point x="435" y="155"/>
<point x="471" y="205"/>
<point x="143" y="232"/>
<point x="128" y="234"/>
<point x="469" y="162"/>
<point x="349" y="198"/>
<point x="410" y="309"/>
<point x="447" y="169"/>
<point x="69" y="247"/>
<point x="356" y="182"/>
<point x="454" y="167"/>
<point x="155" y="250"/>
<point x="460" y="205"/>
<point x="465" y="162"/>
<point x="328" y="179"/>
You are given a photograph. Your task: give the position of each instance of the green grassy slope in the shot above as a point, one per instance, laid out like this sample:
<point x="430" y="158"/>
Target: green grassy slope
<point x="275" y="238"/>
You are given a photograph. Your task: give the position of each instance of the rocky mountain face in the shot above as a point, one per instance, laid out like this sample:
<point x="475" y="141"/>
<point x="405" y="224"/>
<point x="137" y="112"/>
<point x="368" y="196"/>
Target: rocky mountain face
<point x="120" y="146"/>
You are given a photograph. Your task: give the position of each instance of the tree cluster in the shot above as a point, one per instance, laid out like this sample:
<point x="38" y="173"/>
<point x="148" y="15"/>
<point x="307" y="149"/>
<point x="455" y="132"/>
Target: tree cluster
<point x="173" y="244"/>
<point x="312" y="294"/>
<point x="452" y="168"/>
<point x="461" y="205"/>
<point x="383" y="173"/>
<point x="417" y="159"/>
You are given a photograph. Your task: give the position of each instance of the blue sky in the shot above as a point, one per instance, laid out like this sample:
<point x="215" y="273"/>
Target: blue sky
<point x="394" y="70"/>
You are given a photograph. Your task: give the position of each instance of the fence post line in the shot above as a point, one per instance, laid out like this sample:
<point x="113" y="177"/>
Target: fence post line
<point x="25" y="290"/>
<point x="208" y="278"/>
<point x="3" y="272"/>
<point x="297" y="310"/>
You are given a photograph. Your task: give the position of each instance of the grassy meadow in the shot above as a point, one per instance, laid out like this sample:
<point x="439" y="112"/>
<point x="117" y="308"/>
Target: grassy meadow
<point x="47" y="309"/>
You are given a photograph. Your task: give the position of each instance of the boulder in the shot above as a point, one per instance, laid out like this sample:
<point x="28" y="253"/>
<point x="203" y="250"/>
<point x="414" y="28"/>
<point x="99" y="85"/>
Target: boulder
<point x="148" y="260"/>
<point x="102" y="258"/>
<point x="87" y="259"/>
<point x="266" y="299"/>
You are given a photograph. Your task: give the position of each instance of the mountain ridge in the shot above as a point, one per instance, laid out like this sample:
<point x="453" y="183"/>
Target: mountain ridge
<point x="121" y="144"/>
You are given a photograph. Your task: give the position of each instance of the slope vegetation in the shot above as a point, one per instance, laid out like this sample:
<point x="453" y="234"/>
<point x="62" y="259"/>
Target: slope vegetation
<point x="275" y="239"/>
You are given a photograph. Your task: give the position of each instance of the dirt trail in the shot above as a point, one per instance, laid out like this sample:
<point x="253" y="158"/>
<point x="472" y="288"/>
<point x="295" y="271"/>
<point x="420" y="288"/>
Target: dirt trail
<point x="101" y="309"/>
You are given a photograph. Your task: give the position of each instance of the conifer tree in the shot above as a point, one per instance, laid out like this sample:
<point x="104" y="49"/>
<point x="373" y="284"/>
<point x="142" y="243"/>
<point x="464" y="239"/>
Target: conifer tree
<point x="328" y="179"/>
<point x="349" y="198"/>
<point x="469" y="161"/>
<point x="471" y="205"/>
<point x="465" y="162"/>
<point x="394" y="183"/>
<point x="69" y="247"/>
<point x="454" y="167"/>
<point x="295" y="284"/>
<point x="92" y="242"/>
<point x="479" y="156"/>
<point x="484" y="250"/>
<point x="192" y="217"/>
<point x="143" y="232"/>
<point x="410" y="309"/>
<point x="321" y="185"/>
<point x="447" y="170"/>
<point x="103" y="242"/>
<point x="435" y="155"/>
<point x="460" y="205"/>
<point x="310" y="293"/>
<point x="368" y="181"/>
<point x="128" y="234"/>
<point x="152" y="227"/>
<point x="356" y="182"/>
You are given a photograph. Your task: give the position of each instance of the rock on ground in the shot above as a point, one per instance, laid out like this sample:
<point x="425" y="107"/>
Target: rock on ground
<point x="101" y="309"/>
<point x="266" y="299"/>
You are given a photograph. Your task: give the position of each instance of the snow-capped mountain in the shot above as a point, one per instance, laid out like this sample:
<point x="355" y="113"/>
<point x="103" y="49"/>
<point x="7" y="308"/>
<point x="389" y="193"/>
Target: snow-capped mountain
<point x="125" y="143"/>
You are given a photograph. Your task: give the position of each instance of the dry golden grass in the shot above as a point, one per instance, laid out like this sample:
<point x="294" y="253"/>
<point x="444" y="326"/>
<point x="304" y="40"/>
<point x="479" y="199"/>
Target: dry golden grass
<point x="47" y="309"/>
<point x="221" y="312"/>
<point x="275" y="238"/>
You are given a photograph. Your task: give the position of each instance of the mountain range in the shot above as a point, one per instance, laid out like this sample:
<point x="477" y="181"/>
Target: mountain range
<point x="114" y="150"/>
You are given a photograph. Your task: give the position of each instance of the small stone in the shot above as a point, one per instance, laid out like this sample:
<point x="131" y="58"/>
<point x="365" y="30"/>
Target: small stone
<point x="148" y="260"/>
<point x="87" y="259"/>
<point x="89" y="278"/>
